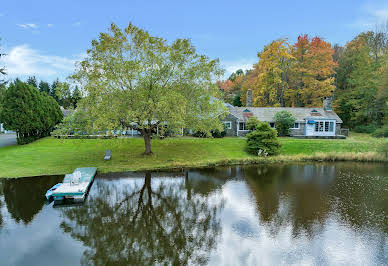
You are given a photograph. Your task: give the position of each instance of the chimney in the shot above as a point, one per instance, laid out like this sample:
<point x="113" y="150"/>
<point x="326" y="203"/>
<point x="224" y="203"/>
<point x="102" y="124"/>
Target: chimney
<point x="328" y="103"/>
<point x="249" y="98"/>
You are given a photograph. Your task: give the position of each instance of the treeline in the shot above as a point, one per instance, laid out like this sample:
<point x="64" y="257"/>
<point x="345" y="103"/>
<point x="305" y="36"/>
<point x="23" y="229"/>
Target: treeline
<point x="60" y="91"/>
<point x="31" y="113"/>
<point x="301" y="74"/>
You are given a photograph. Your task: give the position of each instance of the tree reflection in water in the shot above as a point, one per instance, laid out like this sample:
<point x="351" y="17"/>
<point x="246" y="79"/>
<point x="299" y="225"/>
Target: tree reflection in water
<point x="296" y="195"/>
<point x="156" y="222"/>
<point x="305" y="196"/>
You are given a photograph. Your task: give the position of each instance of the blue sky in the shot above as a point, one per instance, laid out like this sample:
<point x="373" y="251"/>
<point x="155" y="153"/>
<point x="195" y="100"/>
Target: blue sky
<point x="45" y="38"/>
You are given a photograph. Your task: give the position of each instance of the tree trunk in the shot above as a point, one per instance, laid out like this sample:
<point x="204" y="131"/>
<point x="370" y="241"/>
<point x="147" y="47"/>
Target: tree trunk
<point x="147" y="142"/>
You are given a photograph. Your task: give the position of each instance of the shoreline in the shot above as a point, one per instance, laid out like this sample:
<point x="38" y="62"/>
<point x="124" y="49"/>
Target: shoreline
<point x="360" y="157"/>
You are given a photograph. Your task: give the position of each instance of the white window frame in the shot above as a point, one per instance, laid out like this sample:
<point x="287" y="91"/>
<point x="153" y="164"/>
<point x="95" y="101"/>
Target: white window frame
<point x="228" y="124"/>
<point x="293" y="127"/>
<point x="245" y="126"/>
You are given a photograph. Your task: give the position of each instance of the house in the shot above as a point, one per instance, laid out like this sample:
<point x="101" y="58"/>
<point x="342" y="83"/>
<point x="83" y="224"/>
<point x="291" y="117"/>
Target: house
<point x="310" y="122"/>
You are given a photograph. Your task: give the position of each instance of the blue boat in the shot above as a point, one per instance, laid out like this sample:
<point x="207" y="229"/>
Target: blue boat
<point x="49" y="193"/>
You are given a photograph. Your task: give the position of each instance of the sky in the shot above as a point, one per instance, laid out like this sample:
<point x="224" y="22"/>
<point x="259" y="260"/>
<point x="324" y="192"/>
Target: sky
<point x="46" y="38"/>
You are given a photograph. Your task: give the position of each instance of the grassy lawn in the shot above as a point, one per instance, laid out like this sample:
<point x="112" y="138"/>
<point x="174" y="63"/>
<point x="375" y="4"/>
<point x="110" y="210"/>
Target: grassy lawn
<point x="52" y="156"/>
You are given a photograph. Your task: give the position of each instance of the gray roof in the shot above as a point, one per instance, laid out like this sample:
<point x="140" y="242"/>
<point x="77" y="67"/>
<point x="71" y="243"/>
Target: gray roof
<point x="301" y="114"/>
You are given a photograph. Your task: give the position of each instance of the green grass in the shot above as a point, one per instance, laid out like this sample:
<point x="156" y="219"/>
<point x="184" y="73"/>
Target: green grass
<point x="52" y="156"/>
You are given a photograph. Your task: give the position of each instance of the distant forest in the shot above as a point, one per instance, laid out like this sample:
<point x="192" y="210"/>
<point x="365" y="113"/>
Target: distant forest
<point x="302" y="73"/>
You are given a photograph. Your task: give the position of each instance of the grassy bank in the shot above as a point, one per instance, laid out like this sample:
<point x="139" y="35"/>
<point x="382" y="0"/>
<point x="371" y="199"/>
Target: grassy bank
<point x="52" y="156"/>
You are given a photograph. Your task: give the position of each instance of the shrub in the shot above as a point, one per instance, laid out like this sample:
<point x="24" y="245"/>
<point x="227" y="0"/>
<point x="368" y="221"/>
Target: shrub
<point x="381" y="132"/>
<point x="218" y="134"/>
<point x="262" y="140"/>
<point x="365" y="128"/>
<point x="284" y="121"/>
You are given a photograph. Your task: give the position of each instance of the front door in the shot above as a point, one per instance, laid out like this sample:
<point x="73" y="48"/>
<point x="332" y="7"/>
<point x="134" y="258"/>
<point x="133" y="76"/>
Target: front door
<point x="310" y="129"/>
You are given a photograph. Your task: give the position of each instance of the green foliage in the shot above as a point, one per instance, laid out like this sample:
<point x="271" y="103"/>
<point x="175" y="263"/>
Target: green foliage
<point x="44" y="87"/>
<point x="77" y="123"/>
<point x="284" y="121"/>
<point x="32" y="81"/>
<point x="361" y="94"/>
<point x="262" y="140"/>
<point x="366" y="128"/>
<point x="76" y="97"/>
<point x="63" y="94"/>
<point x="381" y="132"/>
<point x="29" y="112"/>
<point x="138" y="81"/>
<point x="237" y="100"/>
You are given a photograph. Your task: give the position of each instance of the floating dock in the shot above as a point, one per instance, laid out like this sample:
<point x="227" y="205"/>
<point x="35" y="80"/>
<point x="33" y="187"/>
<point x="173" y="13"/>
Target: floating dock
<point x="75" y="186"/>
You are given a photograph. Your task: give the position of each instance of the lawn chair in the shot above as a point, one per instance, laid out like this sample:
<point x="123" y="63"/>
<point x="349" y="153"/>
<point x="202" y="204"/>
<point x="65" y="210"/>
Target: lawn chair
<point x="107" y="155"/>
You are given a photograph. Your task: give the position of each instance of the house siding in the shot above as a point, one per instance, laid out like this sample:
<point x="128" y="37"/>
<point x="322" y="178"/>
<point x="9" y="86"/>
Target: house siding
<point x="298" y="131"/>
<point x="233" y="131"/>
<point x="338" y="129"/>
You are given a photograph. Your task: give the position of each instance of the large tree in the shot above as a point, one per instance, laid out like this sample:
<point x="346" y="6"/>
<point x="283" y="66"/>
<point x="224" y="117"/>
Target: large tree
<point x="357" y="83"/>
<point x="312" y="72"/>
<point x="132" y="79"/>
<point x="29" y="112"/>
<point x="273" y="74"/>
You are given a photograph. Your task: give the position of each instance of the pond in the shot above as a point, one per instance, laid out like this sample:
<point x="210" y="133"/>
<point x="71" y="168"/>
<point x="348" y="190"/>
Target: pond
<point x="245" y="215"/>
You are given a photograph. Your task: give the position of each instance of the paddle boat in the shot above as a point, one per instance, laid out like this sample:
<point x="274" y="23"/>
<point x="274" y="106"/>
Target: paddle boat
<point x="75" y="186"/>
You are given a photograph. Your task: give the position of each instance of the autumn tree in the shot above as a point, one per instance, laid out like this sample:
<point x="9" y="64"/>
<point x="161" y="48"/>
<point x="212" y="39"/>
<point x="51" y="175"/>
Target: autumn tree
<point x="231" y="88"/>
<point x="273" y="67"/>
<point x="134" y="80"/>
<point x="312" y="72"/>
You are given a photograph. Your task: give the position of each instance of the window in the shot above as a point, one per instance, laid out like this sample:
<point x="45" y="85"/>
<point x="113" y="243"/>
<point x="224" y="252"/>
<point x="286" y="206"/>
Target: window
<point x="319" y="126"/>
<point x="324" y="126"/>
<point x="331" y="127"/>
<point x="272" y="124"/>
<point x="296" y="125"/>
<point x="241" y="126"/>
<point x="228" y="124"/>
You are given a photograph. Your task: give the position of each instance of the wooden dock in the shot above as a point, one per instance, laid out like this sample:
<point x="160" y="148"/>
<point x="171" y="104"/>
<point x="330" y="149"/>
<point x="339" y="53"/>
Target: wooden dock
<point x="75" y="186"/>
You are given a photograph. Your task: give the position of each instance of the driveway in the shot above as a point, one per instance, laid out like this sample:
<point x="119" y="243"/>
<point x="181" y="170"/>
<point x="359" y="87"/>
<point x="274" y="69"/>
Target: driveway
<point x="7" y="139"/>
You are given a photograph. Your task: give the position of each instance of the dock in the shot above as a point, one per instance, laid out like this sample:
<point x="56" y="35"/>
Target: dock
<point x="75" y="186"/>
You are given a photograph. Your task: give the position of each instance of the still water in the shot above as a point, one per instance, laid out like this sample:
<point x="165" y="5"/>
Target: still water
<point x="253" y="215"/>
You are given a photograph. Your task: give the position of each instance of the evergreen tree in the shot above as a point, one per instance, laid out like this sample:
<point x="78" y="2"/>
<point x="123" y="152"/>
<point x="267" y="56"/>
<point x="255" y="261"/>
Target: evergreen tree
<point x="76" y="96"/>
<point x="44" y="87"/>
<point x="29" y="112"/>
<point x="32" y="81"/>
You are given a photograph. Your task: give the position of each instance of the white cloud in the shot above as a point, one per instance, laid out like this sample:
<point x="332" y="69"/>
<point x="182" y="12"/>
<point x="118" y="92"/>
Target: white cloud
<point x="76" y="24"/>
<point x="232" y="66"/>
<point x="372" y="16"/>
<point x="22" y="61"/>
<point x="28" y="26"/>
<point x="50" y="25"/>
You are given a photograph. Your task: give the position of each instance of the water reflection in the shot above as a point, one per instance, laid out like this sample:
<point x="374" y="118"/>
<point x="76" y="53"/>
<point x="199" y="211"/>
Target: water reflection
<point x="23" y="196"/>
<point x="251" y="215"/>
<point x="141" y="224"/>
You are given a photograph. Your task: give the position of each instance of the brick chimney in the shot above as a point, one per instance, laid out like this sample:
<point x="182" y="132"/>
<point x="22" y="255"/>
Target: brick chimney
<point x="249" y="98"/>
<point x="328" y="103"/>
